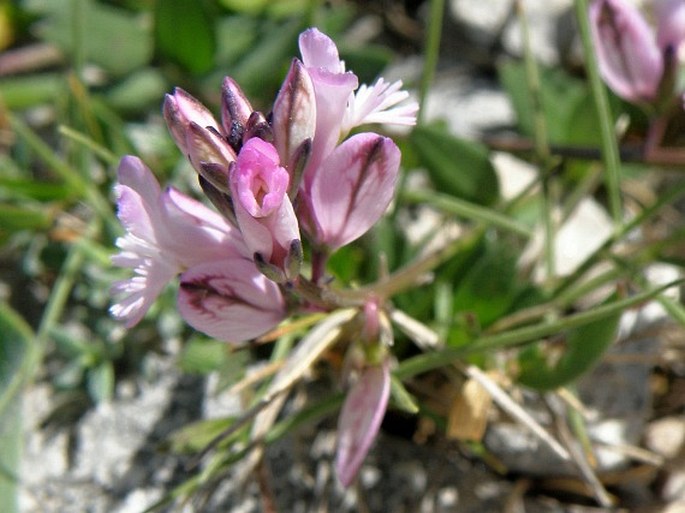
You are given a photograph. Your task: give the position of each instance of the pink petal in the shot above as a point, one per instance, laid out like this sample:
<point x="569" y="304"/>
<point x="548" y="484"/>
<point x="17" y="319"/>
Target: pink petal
<point x="354" y="187"/>
<point x="671" y="27"/>
<point x="319" y="51"/>
<point x="137" y="198"/>
<point x="230" y="300"/>
<point x="133" y="297"/>
<point x="360" y="419"/>
<point x="629" y="58"/>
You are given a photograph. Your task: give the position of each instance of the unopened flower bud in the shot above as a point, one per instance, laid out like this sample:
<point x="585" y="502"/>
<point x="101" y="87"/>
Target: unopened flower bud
<point x="180" y="110"/>
<point x="258" y="126"/>
<point x="294" y="113"/>
<point x="207" y="146"/>
<point x="235" y="111"/>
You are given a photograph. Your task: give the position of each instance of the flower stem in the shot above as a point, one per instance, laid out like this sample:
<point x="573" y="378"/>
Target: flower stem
<point x="432" y="52"/>
<point x="610" y="155"/>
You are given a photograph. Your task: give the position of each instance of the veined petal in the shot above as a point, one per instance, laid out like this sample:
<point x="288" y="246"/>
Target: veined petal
<point x="230" y="300"/>
<point x="353" y="188"/>
<point x="360" y="419"/>
<point x="629" y="59"/>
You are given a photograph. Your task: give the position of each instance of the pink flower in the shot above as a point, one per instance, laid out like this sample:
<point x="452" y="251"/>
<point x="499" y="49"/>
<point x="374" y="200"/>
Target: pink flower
<point x="338" y="108"/>
<point x="353" y="188"/>
<point x="167" y="232"/>
<point x="630" y="60"/>
<point x="263" y="210"/>
<point x="332" y="88"/>
<point x="360" y="420"/>
<point x="230" y="300"/>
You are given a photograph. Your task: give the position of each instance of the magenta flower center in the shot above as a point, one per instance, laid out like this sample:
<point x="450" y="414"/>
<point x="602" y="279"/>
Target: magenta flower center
<point x="260" y="183"/>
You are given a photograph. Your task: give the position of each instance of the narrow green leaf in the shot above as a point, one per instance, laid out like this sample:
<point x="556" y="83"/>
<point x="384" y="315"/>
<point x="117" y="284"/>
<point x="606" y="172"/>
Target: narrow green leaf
<point x="16" y="360"/>
<point x="41" y="191"/>
<point x="29" y="91"/>
<point x="456" y="166"/>
<point x="194" y="437"/>
<point x="401" y="398"/>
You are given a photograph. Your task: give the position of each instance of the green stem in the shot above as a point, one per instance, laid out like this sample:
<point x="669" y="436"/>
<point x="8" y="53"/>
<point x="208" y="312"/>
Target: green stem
<point x="429" y="361"/>
<point x="610" y="156"/>
<point x="432" y="52"/>
<point x="541" y="142"/>
<point x="466" y="209"/>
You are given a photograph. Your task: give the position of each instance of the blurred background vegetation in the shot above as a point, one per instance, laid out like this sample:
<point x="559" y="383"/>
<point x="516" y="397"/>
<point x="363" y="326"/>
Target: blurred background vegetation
<point x="81" y="84"/>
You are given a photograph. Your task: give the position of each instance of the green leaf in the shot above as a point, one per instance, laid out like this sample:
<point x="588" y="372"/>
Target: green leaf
<point x="202" y="356"/>
<point x="401" y="398"/>
<point x="198" y="435"/>
<point x="185" y="33"/>
<point x="29" y="91"/>
<point x="583" y="347"/>
<point x="456" y="166"/>
<point x="489" y="287"/>
<point x="258" y="71"/>
<point x="100" y="382"/>
<point x="41" y="191"/>
<point x="108" y="36"/>
<point x="138" y="91"/>
<point x="16" y="361"/>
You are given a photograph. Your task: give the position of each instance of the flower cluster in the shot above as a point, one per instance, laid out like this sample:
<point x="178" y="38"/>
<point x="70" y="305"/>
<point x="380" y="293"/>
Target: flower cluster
<point x="274" y="179"/>
<point x="639" y="64"/>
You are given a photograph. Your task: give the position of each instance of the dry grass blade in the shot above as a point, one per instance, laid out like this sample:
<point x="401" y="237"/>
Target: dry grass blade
<point x="422" y="335"/>
<point x="310" y="348"/>
<point x="513" y="409"/>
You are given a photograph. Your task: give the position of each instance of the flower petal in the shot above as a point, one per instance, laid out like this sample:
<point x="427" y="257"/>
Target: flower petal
<point x="319" y="51"/>
<point x="629" y="58"/>
<point x="230" y="300"/>
<point x="360" y="419"/>
<point x="354" y="187"/>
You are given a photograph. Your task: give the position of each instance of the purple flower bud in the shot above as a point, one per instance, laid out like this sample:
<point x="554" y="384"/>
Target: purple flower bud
<point x="257" y="126"/>
<point x="360" y="419"/>
<point x="230" y="300"/>
<point x="629" y="59"/>
<point x="180" y="110"/>
<point x="353" y="188"/>
<point x="196" y="133"/>
<point x="294" y="114"/>
<point x="235" y="111"/>
<point x="263" y="210"/>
